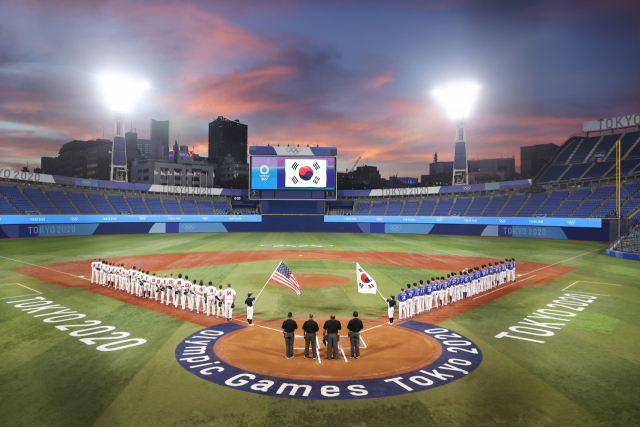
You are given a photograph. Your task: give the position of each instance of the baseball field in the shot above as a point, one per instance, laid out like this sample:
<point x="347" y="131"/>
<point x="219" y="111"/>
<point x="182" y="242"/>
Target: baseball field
<point x="556" y="347"/>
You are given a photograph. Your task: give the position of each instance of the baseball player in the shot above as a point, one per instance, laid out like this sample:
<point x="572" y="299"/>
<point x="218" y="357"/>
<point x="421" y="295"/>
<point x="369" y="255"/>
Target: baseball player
<point x="249" y="301"/>
<point x="94" y="270"/>
<point x="167" y="283"/>
<point x="191" y="294"/>
<point x="229" y="301"/>
<point x="199" y="296"/>
<point x="409" y="305"/>
<point x="428" y="297"/>
<point x="513" y="272"/>
<point x="392" y="303"/>
<point x="422" y="292"/>
<point x="402" y="303"/>
<point x="184" y="289"/>
<point x="177" y="290"/>
<point x="220" y="303"/>
<point x="153" y="287"/>
<point x="211" y="299"/>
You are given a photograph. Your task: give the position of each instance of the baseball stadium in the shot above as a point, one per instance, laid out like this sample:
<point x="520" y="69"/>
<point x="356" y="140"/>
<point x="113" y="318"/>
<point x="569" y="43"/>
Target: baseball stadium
<point x="266" y="284"/>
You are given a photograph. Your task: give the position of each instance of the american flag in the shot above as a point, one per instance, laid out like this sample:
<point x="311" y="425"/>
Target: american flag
<point x="285" y="277"/>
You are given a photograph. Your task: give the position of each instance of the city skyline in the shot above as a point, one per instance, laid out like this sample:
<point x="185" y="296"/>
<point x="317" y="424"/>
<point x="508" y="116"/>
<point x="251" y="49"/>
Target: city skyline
<point x="353" y="75"/>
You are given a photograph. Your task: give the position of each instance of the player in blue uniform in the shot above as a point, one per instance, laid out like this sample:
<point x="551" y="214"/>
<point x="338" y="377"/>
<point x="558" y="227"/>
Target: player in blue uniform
<point x="410" y="302"/>
<point x="402" y="302"/>
<point x="421" y="294"/>
<point x="428" y="297"/>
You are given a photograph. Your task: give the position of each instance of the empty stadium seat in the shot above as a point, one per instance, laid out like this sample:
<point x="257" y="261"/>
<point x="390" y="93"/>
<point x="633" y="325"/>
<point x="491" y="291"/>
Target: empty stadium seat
<point x="602" y="192"/>
<point x="155" y="206"/>
<point x="626" y="167"/>
<point x="172" y="206"/>
<point x="585" y="209"/>
<point x="362" y="208"/>
<point x="531" y="205"/>
<point x="629" y="190"/>
<point x="205" y="207"/>
<point x="189" y="207"/>
<point x="460" y="207"/>
<point x="378" y="208"/>
<point x="513" y="205"/>
<point x="6" y="208"/>
<point x="552" y="202"/>
<point x="41" y="201"/>
<point x="82" y="203"/>
<point x="222" y="208"/>
<point x="606" y="144"/>
<point x="443" y="206"/>
<point x="101" y="203"/>
<point x="584" y="149"/>
<point x="565" y="209"/>
<point x="62" y="202"/>
<point x="15" y="196"/>
<point x="552" y="174"/>
<point x="120" y="204"/>
<point x="410" y="208"/>
<point x="598" y="170"/>
<point x="138" y="206"/>
<point x="394" y="208"/>
<point x="567" y="151"/>
<point x="580" y="194"/>
<point x="630" y="206"/>
<point x="426" y="208"/>
<point x="606" y="210"/>
<point x="477" y="206"/>
<point x="574" y="172"/>
<point x="496" y="204"/>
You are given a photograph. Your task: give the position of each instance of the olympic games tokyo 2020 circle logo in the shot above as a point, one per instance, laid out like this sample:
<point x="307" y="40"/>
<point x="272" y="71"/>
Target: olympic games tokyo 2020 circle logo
<point x="264" y="170"/>
<point x="456" y="357"/>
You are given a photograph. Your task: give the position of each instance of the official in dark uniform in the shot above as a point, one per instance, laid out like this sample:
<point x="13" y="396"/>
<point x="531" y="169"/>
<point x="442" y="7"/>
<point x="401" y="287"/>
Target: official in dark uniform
<point x="289" y="327"/>
<point x="330" y="332"/>
<point x="310" y="328"/>
<point x="355" y="326"/>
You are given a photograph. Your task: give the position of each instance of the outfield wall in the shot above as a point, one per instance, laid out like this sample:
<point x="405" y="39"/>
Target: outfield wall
<point x="16" y="226"/>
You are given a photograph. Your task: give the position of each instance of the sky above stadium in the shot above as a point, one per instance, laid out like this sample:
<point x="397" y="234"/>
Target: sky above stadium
<point x="356" y="75"/>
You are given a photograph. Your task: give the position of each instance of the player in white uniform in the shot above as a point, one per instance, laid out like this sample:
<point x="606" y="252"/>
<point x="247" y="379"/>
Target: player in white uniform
<point x="229" y="301"/>
<point x="188" y="285"/>
<point x="94" y="271"/>
<point x="199" y="296"/>
<point x="211" y="299"/>
<point x="220" y="303"/>
<point x="163" y="288"/>
<point x="115" y="276"/>
<point x="185" y="292"/>
<point x="178" y="296"/>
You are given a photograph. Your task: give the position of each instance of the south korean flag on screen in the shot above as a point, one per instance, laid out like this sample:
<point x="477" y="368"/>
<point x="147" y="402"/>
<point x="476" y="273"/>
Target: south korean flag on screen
<point x="305" y="173"/>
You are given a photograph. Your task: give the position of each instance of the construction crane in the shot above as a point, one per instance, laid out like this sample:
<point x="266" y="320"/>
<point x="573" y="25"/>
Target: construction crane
<point x="354" y="165"/>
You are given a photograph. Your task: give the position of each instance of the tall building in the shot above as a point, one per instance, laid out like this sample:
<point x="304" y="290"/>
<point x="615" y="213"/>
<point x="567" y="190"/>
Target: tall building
<point x="49" y="165"/>
<point x="534" y="157"/>
<point x="85" y="159"/>
<point x="160" y="132"/>
<point x="227" y="137"/>
<point x="149" y="149"/>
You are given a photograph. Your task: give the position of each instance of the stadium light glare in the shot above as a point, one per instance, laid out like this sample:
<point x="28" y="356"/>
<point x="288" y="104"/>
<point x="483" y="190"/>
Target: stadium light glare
<point x="122" y="92"/>
<point x="457" y="98"/>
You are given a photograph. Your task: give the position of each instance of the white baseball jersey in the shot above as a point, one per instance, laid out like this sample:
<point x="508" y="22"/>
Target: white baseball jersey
<point x="170" y="281"/>
<point x="229" y="293"/>
<point x="220" y="294"/>
<point x="186" y="286"/>
<point x="94" y="264"/>
<point x="211" y="293"/>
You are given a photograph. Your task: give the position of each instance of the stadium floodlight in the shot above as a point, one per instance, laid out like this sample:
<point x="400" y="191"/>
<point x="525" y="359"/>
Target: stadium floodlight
<point x="458" y="100"/>
<point x="121" y="94"/>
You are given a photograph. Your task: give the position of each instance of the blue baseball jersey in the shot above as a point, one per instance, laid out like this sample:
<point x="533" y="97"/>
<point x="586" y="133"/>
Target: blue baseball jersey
<point x="467" y="279"/>
<point x="421" y="290"/>
<point x="409" y="293"/>
<point x="402" y="297"/>
<point x="428" y="289"/>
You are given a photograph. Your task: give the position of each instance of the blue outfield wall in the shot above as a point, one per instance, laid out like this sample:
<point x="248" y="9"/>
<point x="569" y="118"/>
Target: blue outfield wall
<point x="21" y="226"/>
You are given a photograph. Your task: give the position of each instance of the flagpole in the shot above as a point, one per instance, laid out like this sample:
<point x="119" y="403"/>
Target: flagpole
<point x="265" y="285"/>
<point x="385" y="300"/>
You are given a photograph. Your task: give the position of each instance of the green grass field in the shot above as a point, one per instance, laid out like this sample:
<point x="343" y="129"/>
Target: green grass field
<point x="587" y="374"/>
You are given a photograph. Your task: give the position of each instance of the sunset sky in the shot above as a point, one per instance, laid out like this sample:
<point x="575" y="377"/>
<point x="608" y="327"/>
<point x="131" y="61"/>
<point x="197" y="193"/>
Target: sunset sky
<point x="356" y="75"/>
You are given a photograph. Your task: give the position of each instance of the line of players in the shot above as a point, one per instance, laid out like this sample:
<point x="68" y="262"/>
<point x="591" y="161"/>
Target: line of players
<point x="165" y="290"/>
<point x="447" y="290"/>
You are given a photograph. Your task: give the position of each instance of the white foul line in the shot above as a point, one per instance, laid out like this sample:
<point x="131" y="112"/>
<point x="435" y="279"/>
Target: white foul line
<point x="590" y="293"/>
<point x="18" y="296"/>
<point x="46" y="268"/>
<point x="570" y="285"/>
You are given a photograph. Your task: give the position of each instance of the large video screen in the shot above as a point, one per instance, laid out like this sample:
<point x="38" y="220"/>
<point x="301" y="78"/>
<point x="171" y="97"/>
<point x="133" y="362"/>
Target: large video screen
<point x="293" y="173"/>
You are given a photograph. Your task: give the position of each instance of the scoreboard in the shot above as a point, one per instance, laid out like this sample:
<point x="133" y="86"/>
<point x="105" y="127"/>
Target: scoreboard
<point x="292" y="173"/>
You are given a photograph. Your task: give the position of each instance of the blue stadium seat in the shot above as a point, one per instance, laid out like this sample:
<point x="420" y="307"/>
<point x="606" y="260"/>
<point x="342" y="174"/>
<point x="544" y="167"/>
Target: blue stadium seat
<point x="513" y="205"/>
<point x="460" y="207"/>
<point x="442" y="208"/>
<point x="552" y="202"/>
<point x="41" y="201"/>
<point x="602" y="192"/>
<point x="137" y="206"/>
<point x="426" y="208"/>
<point x="15" y="196"/>
<point x="626" y="167"/>
<point x="101" y="203"/>
<point x="62" y="202"/>
<point x="574" y="172"/>
<point x="82" y="203"/>
<point x="496" y="204"/>
<point x="394" y="209"/>
<point x="566" y="152"/>
<point x="584" y="149"/>
<point x="606" y="210"/>
<point x="585" y="209"/>
<point x="477" y="206"/>
<point x="155" y="206"/>
<point x="605" y="145"/>
<point x="630" y="206"/>
<point x="598" y="170"/>
<point x="172" y="206"/>
<point x="189" y="207"/>
<point x="410" y="208"/>
<point x="120" y="204"/>
<point x="378" y="208"/>
<point x="362" y="208"/>
<point x="6" y="208"/>
<point x="222" y="208"/>
<point x="532" y="204"/>
<point x="565" y="209"/>
<point x="629" y="190"/>
<point x="627" y="142"/>
<point x="580" y="194"/>
<point x="552" y="174"/>
<point x="206" y="208"/>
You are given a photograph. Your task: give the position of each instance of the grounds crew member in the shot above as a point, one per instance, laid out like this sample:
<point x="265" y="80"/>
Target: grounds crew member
<point x="249" y="301"/>
<point x="310" y="328"/>
<point x="330" y="336"/>
<point x="355" y="326"/>
<point x="289" y="327"/>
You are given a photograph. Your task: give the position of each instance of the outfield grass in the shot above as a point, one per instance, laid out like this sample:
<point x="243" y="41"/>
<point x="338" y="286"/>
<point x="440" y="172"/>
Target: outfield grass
<point x="586" y="374"/>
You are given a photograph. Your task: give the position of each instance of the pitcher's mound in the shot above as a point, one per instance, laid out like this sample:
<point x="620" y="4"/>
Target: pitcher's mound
<point x="320" y="280"/>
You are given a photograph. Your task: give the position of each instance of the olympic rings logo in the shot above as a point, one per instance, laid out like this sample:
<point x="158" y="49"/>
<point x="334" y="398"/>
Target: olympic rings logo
<point x="293" y="150"/>
<point x="189" y="227"/>
<point x="571" y="222"/>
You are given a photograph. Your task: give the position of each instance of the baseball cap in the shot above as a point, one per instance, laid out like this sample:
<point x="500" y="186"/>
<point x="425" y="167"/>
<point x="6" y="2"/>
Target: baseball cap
<point x="249" y="294"/>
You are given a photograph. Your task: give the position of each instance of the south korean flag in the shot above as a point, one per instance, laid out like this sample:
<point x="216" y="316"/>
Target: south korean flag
<point x="366" y="284"/>
<point x="305" y="173"/>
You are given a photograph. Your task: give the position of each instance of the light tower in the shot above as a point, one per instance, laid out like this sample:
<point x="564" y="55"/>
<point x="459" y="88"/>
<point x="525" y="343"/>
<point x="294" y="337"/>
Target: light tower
<point x="121" y="94"/>
<point x="457" y="99"/>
